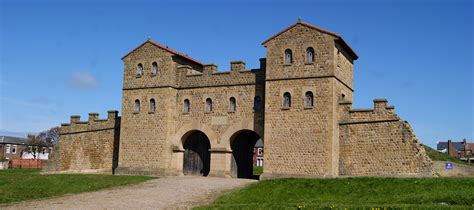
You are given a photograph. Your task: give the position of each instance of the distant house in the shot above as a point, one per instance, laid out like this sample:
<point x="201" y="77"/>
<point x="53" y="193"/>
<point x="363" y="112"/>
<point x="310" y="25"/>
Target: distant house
<point x="461" y="149"/>
<point x="258" y="153"/>
<point x="13" y="148"/>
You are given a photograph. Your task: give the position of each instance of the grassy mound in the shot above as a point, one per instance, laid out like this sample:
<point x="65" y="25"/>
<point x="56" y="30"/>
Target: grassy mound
<point x="27" y="184"/>
<point x="435" y="155"/>
<point x="351" y="193"/>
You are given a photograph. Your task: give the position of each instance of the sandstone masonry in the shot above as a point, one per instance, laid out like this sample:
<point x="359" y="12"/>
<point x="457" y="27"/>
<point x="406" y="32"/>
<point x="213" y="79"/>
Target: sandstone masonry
<point x="180" y="116"/>
<point x="87" y="146"/>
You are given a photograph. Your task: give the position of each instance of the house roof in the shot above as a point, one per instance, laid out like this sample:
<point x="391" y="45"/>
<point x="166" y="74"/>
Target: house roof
<point x="338" y="38"/>
<point x="166" y="48"/>
<point x="22" y="141"/>
<point x="459" y="146"/>
<point x="13" y="140"/>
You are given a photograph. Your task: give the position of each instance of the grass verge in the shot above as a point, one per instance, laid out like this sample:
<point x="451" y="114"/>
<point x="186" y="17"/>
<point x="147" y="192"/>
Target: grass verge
<point x="351" y="193"/>
<point x="28" y="184"/>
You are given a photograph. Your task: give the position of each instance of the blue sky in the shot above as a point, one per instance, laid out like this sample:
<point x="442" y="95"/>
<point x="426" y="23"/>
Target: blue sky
<point x="60" y="58"/>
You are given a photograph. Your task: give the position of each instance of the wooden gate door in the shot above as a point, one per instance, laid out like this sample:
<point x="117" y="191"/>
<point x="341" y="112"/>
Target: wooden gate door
<point x="196" y="155"/>
<point x="193" y="164"/>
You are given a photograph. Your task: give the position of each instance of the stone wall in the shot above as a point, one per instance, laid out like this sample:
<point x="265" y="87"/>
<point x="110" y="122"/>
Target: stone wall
<point x="376" y="142"/>
<point x="87" y="146"/>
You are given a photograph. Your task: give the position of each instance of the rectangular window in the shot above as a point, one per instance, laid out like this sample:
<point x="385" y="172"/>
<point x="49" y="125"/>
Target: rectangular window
<point x="14" y="149"/>
<point x="8" y="149"/>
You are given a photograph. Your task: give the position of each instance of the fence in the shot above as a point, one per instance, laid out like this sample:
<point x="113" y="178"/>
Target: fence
<point x="31" y="163"/>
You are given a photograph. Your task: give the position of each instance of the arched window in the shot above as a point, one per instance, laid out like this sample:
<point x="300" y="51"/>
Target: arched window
<point x="309" y="55"/>
<point x="308" y="99"/>
<point x="152" y="105"/>
<point x="286" y="100"/>
<point x="154" y="68"/>
<point x="232" y="104"/>
<point x="208" y="105"/>
<point x="288" y="56"/>
<point x="257" y="104"/>
<point x="139" y="70"/>
<point x="137" y="106"/>
<point x="186" y="106"/>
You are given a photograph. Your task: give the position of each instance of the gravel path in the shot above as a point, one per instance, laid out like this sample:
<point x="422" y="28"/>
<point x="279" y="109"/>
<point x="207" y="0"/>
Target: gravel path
<point x="163" y="193"/>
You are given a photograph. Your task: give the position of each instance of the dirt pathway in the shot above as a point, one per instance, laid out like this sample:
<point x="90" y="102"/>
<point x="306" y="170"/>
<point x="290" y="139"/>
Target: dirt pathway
<point x="162" y="193"/>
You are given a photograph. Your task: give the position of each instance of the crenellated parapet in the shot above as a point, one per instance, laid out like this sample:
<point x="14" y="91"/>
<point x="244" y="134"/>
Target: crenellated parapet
<point x="210" y="77"/>
<point x="380" y="112"/>
<point x="92" y="124"/>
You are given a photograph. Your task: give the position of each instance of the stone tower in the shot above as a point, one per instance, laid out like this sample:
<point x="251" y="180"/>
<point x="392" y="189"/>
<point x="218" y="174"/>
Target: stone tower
<point x="150" y="75"/>
<point x="308" y="71"/>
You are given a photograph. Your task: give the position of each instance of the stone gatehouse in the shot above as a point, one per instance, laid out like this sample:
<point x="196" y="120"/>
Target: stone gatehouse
<point x="183" y="117"/>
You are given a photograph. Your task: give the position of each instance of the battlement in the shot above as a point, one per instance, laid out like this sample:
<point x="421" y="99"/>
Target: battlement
<point x="92" y="124"/>
<point x="380" y="112"/>
<point x="209" y="77"/>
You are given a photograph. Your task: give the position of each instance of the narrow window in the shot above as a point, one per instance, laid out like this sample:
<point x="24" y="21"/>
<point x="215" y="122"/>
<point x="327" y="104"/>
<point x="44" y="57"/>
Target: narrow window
<point x="257" y="104"/>
<point x="286" y="100"/>
<point x="208" y="105"/>
<point x="309" y="55"/>
<point x="139" y="70"/>
<point x="137" y="106"/>
<point x="152" y="105"/>
<point x="8" y="149"/>
<point x="232" y="104"/>
<point x="309" y="99"/>
<point x="288" y="57"/>
<point x="186" y="106"/>
<point x="43" y="150"/>
<point x="14" y="149"/>
<point x="154" y="68"/>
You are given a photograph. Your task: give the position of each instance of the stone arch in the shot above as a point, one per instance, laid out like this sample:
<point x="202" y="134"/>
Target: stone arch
<point x="246" y="124"/>
<point x="242" y="144"/>
<point x="177" y="139"/>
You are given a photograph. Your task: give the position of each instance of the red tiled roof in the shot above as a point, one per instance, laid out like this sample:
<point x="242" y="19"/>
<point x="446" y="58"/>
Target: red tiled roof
<point x="350" y="50"/>
<point x="167" y="49"/>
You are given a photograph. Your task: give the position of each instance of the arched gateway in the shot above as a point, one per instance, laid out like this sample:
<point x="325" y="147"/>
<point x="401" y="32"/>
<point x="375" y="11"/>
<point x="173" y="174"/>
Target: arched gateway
<point x="197" y="158"/>
<point x="242" y="145"/>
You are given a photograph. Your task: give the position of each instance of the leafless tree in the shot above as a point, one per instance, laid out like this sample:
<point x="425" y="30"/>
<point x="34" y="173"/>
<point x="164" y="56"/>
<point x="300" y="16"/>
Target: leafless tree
<point x="52" y="133"/>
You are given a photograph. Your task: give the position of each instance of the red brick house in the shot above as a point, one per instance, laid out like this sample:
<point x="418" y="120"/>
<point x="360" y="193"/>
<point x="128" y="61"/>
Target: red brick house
<point x="258" y="153"/>
<point x="461" y="149"/>
<point x="15" y="148"/>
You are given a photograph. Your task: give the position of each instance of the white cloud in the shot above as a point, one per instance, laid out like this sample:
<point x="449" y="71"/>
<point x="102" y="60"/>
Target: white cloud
<point x="82" y="80"/>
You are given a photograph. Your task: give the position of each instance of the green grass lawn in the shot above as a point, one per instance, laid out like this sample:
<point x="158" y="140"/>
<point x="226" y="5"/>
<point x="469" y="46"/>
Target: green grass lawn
<point x="435" y="155"/>
<point x="351" y="193"/>
<point x="27" y="184"/>
<point x="257" y="170"/>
